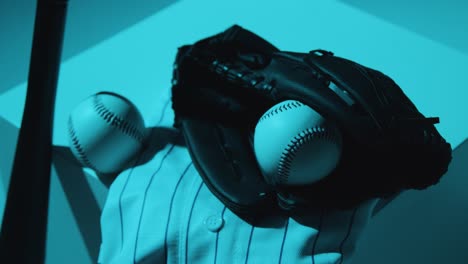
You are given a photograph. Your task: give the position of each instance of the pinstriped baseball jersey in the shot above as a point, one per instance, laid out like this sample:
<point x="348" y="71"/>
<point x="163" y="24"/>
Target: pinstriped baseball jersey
<point x="162" y="212"/>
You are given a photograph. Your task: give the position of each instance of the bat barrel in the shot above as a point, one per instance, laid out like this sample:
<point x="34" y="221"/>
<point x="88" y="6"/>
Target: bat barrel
<point x="24" y="226"/>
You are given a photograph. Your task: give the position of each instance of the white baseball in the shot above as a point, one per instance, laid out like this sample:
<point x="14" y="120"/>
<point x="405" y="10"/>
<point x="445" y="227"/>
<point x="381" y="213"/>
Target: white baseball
<point x="295" y="145"/>
<point x="106" y="131"/>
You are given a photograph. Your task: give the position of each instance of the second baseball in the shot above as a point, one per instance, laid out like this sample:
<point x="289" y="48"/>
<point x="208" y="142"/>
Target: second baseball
<point x="106" y="132"/>
<point x="295" y="145"/>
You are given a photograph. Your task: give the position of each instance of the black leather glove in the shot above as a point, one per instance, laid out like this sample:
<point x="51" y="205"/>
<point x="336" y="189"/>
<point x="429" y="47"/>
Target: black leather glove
<point x="224" y="83"/>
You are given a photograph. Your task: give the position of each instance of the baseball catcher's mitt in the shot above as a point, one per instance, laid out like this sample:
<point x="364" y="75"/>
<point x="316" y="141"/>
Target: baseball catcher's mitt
<point x="224" y="83"/>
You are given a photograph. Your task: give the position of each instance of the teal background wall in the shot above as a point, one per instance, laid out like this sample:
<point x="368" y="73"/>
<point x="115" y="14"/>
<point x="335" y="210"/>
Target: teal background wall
<point x="88" y="23"/>
<point x="128" y="47"/>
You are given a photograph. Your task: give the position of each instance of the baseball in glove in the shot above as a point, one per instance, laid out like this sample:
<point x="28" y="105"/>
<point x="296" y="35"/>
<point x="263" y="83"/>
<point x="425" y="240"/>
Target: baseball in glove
<point x="224" y="83"/>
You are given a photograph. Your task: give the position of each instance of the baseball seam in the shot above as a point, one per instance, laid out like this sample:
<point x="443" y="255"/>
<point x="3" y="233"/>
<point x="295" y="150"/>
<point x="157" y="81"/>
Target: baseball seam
<point x="117" y="121"/>
<point x="281" y="108"/>
<point x="77" y="145"/>
<point x="302" y="138"/>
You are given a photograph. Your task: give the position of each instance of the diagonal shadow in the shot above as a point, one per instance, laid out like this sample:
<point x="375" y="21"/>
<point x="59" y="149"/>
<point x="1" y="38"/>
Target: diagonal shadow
<point x="8" y="138"/>
<point x="81" y="199"/>
<point x="443" y="21"/>
<point x="88" y="23"/>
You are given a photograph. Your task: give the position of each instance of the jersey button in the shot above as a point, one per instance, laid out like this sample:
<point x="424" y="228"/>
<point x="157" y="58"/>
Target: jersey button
<point x="214" y="223"/>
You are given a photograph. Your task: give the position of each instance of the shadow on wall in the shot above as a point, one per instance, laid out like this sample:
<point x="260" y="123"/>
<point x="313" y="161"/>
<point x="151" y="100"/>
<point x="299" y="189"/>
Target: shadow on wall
<point x="8" y="138"/>
<point x="85" y="196"/>
<point x="442" y="21"/>
<point x="427" y="226"/>
<point x="88" y="23"/>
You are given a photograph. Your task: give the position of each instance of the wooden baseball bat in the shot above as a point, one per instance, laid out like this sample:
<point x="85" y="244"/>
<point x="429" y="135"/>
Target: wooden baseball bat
<point x="24" y="227"/>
